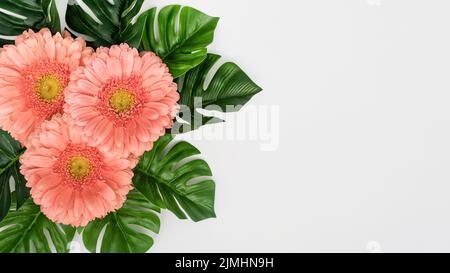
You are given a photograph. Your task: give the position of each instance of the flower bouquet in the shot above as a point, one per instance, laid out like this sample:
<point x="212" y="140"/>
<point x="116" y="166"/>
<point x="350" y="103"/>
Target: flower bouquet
<point x="88" y="118"/>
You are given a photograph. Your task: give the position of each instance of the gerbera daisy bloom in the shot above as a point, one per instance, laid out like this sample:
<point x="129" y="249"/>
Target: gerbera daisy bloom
<point x="33" y="75"/>
<point x="71" y="181"/>
<point x="120" y="101"/>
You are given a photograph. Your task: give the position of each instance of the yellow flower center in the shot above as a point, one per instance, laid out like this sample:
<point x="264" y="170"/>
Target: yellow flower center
<point x="49" y="88"/>
<point x="79" y="167"/>
<point x="121" y="101"/>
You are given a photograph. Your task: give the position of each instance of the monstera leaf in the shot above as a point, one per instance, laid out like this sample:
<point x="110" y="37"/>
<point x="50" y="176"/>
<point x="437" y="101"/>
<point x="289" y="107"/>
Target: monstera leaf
<point x="230" y="86"/>
<point x="28" y="226"/>
<point x="184" y="33"/>
<point x="106" y="22"/>
<point x="10" y="152"/>
<point x="123" y="233"/>
<point x="17" y="16"/>
<point x="167" y="178"/>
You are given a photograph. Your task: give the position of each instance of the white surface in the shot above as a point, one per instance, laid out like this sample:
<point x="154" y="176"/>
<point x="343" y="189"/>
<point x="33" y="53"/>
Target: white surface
<point x="364" y="152"/>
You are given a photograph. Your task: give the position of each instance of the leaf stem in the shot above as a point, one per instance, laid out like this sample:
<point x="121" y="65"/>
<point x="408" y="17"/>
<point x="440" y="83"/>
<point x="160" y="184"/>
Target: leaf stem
<point x="27" y="230"/>
<point x="13" y="161"/>
<point x="119" y="224"/>
<point x="159" y="180"/>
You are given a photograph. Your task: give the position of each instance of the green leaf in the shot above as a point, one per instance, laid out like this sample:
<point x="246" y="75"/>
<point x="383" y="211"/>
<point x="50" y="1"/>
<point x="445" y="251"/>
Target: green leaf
<point x="111" y="22"/>
<point x="230" y="86"/>
<point x="167" y="178"/>
<point x="10" y="152"/>
<point x="17" y="16"/>
<point x="21" y="191"/>
<point x="184" y="34"/>
<point x="28" y="226"/>
<point x="123" y="233"/>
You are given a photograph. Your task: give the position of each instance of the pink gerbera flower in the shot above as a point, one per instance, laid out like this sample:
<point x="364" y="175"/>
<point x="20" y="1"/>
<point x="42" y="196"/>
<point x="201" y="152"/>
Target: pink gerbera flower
<point x="33" y="75"/>
<point x="122" y="102"/>
<point x="72" y="182"/>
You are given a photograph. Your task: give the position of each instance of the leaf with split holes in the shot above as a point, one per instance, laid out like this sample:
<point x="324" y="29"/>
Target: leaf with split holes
<point x="184" y="34"/>
<point x="229" y="89"/>
<point x="27" y="228"/>
<point x="167" y="178"/>
<point x="106" y="22"/>
<point x="10" y="152"/>
<point x="16" y="16"/>
<point x="124" y="228"/>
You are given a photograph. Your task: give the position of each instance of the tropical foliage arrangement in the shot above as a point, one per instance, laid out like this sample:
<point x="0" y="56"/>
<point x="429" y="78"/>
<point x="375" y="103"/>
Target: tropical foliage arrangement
<point x="88" y="117"/>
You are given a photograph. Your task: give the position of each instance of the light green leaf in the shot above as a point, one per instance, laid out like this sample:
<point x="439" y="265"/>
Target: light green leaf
<point x="165" y="178"/>
<point x="17" y="16"/>
<point x="10" y="152"/>
<point x="28" y="226"/>
<point x="184" y="34"/>
<point x="124" y="228"/>
<point x="230" y="86"/>
<point x="110" y="24"/>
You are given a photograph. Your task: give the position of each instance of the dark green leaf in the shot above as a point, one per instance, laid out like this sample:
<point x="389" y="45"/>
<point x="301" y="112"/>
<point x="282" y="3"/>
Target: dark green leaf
<point x="5" y="194"/>
<point x="10" y="152"/>
<point x="28" y="226"/>
<point x="17" y="16"/>
<point x="21" y="191"/>
<point x="123" y="233"/>
<point x="230" y="86"/>
<point x="184" y="34"/>
<point x="169" y="180"/>
<point x="111" y="24"/>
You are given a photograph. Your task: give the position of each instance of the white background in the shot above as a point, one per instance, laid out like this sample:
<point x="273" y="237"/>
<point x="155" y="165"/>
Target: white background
<point x="364" y="153"/>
